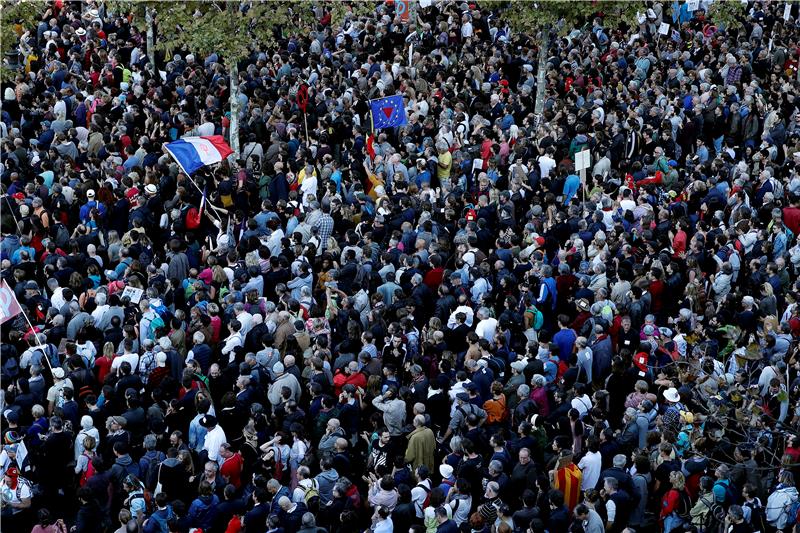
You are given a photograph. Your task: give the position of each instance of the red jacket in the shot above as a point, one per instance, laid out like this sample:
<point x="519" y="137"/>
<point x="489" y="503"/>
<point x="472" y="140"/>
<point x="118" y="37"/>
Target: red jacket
<point x="341" y="379"/>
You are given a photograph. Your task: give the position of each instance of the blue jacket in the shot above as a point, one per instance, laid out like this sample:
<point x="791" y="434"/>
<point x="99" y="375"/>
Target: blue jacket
<point x="203" y="511"/>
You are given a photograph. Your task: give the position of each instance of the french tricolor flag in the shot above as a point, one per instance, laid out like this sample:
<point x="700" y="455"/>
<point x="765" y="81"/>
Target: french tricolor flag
<point x="193" y="153"/>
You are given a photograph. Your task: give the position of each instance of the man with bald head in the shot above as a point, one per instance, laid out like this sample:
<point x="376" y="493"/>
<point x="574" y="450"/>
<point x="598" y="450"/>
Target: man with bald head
<point x="290" y="514"/>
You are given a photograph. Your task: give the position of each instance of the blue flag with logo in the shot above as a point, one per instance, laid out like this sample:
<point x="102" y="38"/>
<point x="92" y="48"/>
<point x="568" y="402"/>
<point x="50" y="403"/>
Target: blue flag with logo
<point x="388" y="112"/>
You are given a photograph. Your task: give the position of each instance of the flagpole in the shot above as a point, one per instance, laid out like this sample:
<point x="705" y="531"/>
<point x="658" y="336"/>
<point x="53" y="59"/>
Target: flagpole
<point x="371" y="121"/>
<point x="11" y="210"/>
<point x="194" y="183"/>
<point x="30" y="325"/>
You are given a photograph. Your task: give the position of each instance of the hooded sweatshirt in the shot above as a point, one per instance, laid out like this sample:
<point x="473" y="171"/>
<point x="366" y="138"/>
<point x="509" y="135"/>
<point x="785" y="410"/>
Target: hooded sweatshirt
<point x="325" y="482"/>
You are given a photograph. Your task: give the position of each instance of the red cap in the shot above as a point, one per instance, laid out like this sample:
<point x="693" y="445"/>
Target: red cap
<point x="133" y="191"/>
<point x="18" y="196"/>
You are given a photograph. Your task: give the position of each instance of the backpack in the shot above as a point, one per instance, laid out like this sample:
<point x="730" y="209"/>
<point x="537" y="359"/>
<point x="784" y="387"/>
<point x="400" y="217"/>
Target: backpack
<point x="163" y="526"/>
<point x="730" y="494"/>
<point x="777" y="188"/>
<point x="684" y="506"/>
<point x="758" y="516"/>
<point x="714" y="519"/>
<point x="22" y="483"/>
<point x="87" y="474"/>
<point x="463" y="427"/>
<point x="311" y="497"/>
<point x="150" y="472"/>
<point x="496" y="365"/>
<point x="60" y="234"/>
<point x="538" y="317"/>
<point x="427" y="501"/>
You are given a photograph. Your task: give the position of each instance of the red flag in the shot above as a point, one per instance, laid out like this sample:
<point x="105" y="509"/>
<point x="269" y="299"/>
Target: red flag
<point x="371" y="147"/>
<point x="9" y="306"/>
<point x="302" y="97"/>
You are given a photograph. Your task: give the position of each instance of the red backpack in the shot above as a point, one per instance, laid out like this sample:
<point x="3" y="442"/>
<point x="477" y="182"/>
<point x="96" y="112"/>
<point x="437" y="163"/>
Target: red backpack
<point x="87" y="474"/>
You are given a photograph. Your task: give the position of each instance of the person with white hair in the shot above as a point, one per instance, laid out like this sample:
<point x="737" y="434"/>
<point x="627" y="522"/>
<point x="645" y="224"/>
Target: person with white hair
<point x="283" y="380"/>
<point x="200" y="352"/>
<point x="100" y="313"/>
<point x="87" y="430"/>
<point x="487" y="324"/>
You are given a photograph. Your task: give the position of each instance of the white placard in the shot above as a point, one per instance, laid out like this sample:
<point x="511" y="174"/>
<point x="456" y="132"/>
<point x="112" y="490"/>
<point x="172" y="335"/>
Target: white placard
<point x="664" y="28"/>
<point x="133" y="293"/>
<point x="425" y="3"/>
<point x="582" y="160"/>
<point x="640" y="17"/>
<point x="692" y="5"/>
<point x="787" y="11"/>
<point x="477" y="164"/>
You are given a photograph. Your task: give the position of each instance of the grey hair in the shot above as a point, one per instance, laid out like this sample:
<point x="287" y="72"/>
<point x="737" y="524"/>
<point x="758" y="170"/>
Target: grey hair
<point x="150" y="442"/>
<point x="455" y="444"/>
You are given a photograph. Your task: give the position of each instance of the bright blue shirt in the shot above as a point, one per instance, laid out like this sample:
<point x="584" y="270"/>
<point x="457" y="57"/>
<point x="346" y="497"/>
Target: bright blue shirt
<point x="571" y="186"/>
<point x="565" y="340"/>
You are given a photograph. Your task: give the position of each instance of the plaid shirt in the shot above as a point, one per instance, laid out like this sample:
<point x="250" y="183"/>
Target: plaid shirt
<point x="325" y="225"/>
<point x="734" y="75"/>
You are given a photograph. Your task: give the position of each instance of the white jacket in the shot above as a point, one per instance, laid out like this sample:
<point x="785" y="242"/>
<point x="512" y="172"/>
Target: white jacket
<point x="778" y="503"/>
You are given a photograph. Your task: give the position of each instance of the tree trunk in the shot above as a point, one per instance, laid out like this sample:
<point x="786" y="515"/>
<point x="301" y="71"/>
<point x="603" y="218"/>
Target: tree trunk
<point x="541" y="75"/>
<point x="151" y="46"/>
<point x="234" y="101"/>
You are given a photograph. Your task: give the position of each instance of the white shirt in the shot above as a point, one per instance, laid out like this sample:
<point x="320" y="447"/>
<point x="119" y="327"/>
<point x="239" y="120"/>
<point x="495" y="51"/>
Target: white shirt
<point x="487" y="328"/>
<point x="627" y="205"/>
<point x="452" y="322"/>
<point x="418" y="495"/>
<point x="546" y="164"/>
<point x="214" y="438"/>
<point x="309" y="186"/>
<point x="590" y="467"/>
<point x="58" y="298"/>
<point x="99" y="314"/>
<point x="205" y="129"/>
<point x="131" y="358"/>
<point x="274" y="242"/>
<point x="9" y="495"/>
<point x="246" y="320"/>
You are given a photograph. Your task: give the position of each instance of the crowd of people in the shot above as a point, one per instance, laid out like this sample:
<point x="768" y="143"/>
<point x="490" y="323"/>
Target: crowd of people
<point x="435" y="327"/>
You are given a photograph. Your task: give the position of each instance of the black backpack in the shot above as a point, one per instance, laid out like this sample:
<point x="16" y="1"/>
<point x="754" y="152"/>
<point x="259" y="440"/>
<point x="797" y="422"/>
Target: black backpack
<point x="758" y="516"/>
<point x="684" y="506"/>
<point x="730" y="494"/>
<point x="150" y="472"/>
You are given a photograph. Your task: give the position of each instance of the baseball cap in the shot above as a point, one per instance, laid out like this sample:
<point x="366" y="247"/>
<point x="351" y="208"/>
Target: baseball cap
<point x="208" y="421"/>
<point x="519" y="366"/>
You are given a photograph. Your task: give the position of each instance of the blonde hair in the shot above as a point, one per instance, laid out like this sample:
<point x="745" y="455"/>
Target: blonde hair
<point x="108" y="349"/>
<point x="766" y="288"/>
<point x="677" y="480"/>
